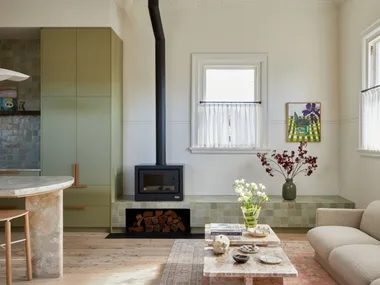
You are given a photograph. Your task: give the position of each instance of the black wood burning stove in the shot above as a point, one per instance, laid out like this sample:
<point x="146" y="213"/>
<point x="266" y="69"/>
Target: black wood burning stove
<point x="159" y="182"/>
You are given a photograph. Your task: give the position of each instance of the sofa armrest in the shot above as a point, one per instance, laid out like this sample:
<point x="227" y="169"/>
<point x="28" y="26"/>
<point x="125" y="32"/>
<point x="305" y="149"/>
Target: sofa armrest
<point x="339" y="217"/>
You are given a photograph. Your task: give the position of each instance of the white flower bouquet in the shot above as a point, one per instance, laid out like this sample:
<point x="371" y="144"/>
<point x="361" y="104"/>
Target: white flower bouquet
<point x="252" y="197"/>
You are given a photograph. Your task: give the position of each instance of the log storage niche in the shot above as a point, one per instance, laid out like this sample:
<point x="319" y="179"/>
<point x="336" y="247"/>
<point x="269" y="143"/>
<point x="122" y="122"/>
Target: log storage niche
<point x="157" y="223"/>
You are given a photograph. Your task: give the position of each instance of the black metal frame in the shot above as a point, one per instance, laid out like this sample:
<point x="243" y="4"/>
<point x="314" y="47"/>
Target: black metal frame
<point x="159" y="195"/>
<point x="130" y="214"/>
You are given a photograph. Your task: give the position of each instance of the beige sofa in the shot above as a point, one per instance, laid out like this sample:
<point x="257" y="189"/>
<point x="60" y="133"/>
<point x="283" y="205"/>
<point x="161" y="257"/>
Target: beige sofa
<point x="347" y="243"/>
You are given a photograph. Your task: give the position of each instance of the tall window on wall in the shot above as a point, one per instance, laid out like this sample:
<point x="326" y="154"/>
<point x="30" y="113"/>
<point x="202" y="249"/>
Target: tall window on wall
<point x="370" y="96"/>
<point x="229" y="102"/>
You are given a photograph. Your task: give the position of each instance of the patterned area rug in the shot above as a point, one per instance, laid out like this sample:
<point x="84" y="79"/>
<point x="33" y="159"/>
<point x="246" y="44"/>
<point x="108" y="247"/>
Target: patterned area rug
<point x="185" y="263"/>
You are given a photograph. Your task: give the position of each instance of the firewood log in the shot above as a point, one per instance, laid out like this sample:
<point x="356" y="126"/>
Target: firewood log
<point x="148" y="221"/>
<point x="139" y="222"/>
<point x="166" y="229"/>
<point x="148" y="214"/>
<point x="181" y="226"/>
<point x="159" y="213"/>
<point x="173" y="227"/>
<point x="154" y="220"/>
<point x="162" y="219"/>
<point x="138" y="217"/>
<point x="138" y="229"/>
<point x="149" y="229"/>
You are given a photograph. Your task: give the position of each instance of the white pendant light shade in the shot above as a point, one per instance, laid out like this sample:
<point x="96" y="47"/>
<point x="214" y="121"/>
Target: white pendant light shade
<point x="6" y="74"/>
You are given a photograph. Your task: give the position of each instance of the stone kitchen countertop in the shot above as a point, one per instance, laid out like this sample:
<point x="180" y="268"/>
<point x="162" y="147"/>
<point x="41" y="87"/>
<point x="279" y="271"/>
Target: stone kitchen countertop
<point x="21" y="186"/>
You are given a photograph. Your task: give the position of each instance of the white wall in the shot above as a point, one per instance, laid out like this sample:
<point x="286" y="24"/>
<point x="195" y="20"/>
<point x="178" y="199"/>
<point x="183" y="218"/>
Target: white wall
<point x="359" y="177"/>
<point x="301" y="40"/>
<point x="58" y="13"/>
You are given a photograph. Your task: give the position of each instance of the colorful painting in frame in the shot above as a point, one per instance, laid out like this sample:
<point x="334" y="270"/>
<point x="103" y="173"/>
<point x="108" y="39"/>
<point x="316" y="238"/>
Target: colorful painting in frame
<point x="303" y="121"/>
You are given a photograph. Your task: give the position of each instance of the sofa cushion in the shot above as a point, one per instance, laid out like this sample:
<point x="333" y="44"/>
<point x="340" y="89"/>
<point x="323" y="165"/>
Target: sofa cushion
<point x="370" y="223"/>
<point x="376" y="282"/>
<point x="357" y="264"/>
<point x="325" y="238"/>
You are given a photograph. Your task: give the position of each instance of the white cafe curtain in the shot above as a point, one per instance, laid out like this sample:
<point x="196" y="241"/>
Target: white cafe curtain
<point x="371" y="119"/>
<point x="232" y="125"/>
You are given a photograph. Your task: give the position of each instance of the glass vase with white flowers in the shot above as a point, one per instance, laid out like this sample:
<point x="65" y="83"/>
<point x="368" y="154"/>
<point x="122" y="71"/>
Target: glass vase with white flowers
<point x="252" y="197"/>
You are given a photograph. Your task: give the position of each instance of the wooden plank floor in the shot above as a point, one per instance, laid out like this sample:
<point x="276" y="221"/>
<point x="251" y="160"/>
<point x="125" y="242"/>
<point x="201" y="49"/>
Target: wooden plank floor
<point x="90" y="259"/>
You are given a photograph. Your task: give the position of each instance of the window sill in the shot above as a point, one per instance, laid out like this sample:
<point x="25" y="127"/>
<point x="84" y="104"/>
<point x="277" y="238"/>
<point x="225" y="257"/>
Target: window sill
<point x="369" y="153"/>
<point x="198" y="150"/>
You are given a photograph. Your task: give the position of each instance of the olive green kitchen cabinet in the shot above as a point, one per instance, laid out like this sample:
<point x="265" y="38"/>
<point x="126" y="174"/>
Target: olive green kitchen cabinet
<point x="93" y="63"/>
<point x="80" y="211"/>
<point x="58" y="135"/>
<point x="93" y="140"/>
<point x="58" y="62"/>
<point x="85" y="126"/>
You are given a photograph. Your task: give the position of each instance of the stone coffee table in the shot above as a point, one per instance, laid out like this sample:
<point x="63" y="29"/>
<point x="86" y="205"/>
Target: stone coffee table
<point x="222" y="269"/>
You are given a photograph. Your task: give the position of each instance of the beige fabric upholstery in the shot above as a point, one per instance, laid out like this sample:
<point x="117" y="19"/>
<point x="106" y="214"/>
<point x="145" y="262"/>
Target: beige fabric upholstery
<point x="324" y="239"/>
<point x="339" y="217"/>
<point x="371" y="220"/>
<point x="358" y="264"/>
<point x="376" y="282"/>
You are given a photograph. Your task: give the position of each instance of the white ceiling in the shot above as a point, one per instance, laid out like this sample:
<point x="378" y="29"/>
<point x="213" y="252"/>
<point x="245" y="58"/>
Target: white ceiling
<point x="19" y="33"/>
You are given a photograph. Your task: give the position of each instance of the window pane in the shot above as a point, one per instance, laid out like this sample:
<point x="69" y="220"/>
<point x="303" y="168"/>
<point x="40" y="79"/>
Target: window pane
<point x="230" y="85"/>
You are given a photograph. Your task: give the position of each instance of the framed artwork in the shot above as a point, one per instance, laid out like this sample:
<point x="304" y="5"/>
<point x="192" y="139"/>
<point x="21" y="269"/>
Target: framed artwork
<point x="303" y="122"/>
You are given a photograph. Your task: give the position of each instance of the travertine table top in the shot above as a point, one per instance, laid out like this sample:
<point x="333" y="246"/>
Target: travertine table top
<point x="246" y="238"/>
<point x="224" y="265"/>
<point x="21" y="186"/>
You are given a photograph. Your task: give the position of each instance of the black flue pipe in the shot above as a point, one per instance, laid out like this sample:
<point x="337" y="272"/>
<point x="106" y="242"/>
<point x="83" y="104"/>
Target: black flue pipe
<point x="158" y="31"/>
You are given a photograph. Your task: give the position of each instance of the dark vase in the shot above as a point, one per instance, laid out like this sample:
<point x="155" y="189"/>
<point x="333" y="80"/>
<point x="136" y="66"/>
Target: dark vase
<point x="289" y="190"/>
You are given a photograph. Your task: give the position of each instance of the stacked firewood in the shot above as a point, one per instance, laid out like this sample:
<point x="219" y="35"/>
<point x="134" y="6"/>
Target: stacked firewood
<point x="158" y="221"/>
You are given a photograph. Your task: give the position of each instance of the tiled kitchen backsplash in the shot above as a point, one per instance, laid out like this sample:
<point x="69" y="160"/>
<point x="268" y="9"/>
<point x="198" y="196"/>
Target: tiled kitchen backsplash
<point x="20" y="135"/>
<point x="20" y="142"/>
<point x="23" y="55"/>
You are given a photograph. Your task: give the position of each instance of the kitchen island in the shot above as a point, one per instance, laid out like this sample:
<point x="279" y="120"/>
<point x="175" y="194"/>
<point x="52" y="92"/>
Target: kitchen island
<point x="44" y="200"/>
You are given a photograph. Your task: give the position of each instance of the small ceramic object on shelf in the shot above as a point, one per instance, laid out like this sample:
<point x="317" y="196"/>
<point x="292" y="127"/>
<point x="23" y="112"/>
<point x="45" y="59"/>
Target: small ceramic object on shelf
<point x="249" y="248"/>
<point x="240" y="258"/>
<point x="220" y="244"/>
<point x="259" y="231"/>
<point x="271" y="259"/>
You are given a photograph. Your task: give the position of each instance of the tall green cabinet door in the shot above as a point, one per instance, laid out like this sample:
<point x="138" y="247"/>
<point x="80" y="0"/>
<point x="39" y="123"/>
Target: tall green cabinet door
<point x="58" y="135"/>
<point x="58" y="62"/>
<point x="93" y="140"/>
<point x="94" y="65"/>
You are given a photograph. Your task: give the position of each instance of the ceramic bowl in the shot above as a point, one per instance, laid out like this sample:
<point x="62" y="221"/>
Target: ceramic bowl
<point x="249" y="249"/>
<point x="241" y="258"/>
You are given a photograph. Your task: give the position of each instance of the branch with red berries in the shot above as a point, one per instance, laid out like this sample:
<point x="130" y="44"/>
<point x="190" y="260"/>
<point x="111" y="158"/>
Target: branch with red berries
<point x="289" y="164"/>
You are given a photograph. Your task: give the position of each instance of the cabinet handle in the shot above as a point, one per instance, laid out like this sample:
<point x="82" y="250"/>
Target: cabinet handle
<point x="75" y="184"/>
<point x="10" y="207"/>
<point x="75" y="207"/>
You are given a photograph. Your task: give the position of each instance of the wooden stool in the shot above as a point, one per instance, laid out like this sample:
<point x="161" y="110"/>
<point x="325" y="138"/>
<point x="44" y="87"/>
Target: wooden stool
<point x="7" y="216"/>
